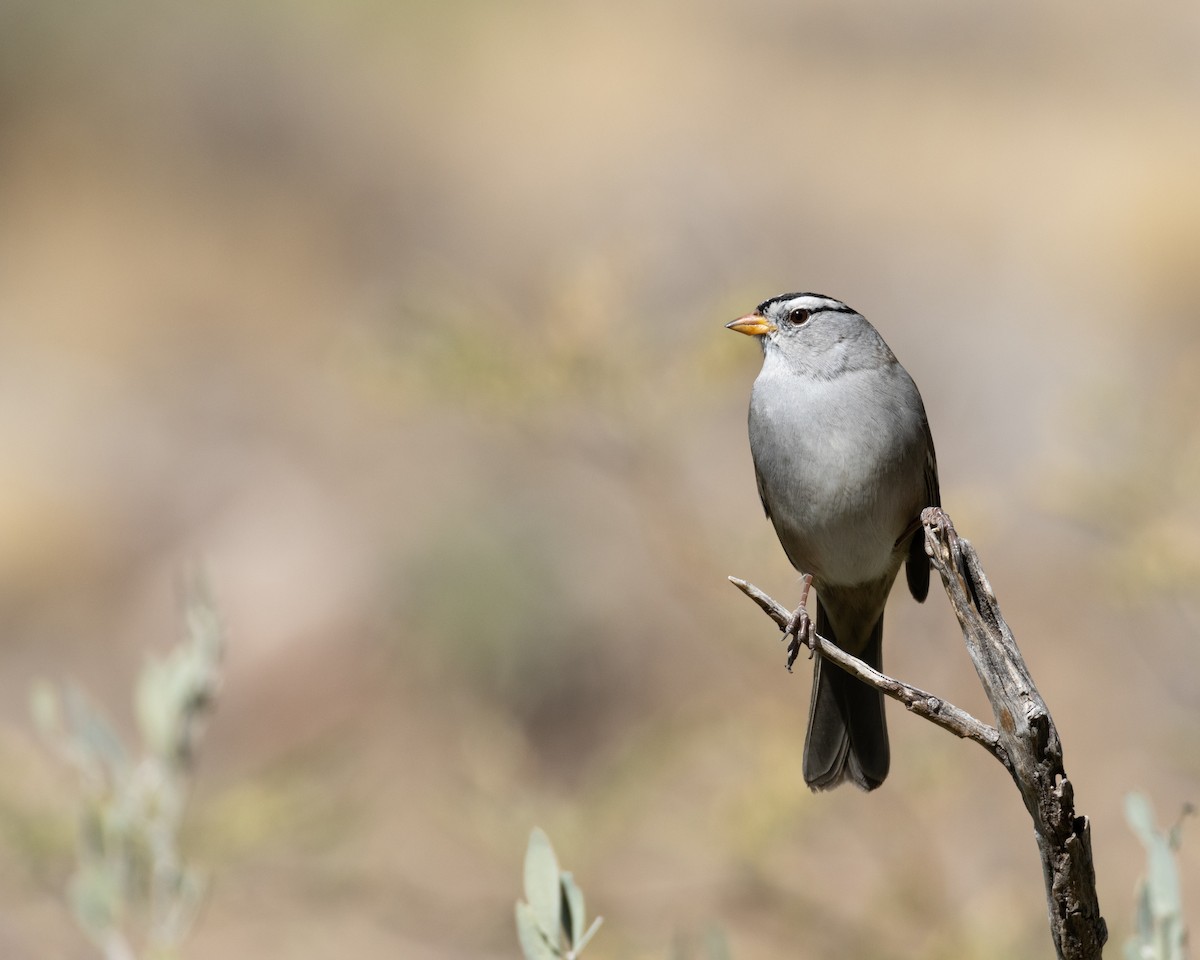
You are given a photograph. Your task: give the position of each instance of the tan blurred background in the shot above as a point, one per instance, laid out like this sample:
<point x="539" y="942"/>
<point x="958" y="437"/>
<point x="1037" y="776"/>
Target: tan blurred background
<point x="405" y="318"/>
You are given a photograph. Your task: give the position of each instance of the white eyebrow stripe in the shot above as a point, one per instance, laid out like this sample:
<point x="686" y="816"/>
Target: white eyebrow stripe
<point x="813" y="302"/>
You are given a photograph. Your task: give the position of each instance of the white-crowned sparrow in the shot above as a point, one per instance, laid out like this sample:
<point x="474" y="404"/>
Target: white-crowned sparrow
<point x="845" y="465"/>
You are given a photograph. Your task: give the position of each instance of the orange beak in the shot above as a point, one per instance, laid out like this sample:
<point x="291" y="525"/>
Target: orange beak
<point x="753" y="325"/>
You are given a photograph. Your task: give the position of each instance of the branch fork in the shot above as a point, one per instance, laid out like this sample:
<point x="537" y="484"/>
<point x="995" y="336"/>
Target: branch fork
<point x="1024" y="739"/>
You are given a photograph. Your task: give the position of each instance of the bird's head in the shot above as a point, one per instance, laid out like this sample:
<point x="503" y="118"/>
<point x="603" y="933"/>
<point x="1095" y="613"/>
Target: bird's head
<point x="813" y="332"/>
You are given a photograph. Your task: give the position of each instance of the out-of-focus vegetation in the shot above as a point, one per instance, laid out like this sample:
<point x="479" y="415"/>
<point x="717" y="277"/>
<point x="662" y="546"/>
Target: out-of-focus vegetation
<point x="407" y="318"/>
<point x="132" y="891"/>
<point x="552" y="919"/>
<point x="1160" y="929"/>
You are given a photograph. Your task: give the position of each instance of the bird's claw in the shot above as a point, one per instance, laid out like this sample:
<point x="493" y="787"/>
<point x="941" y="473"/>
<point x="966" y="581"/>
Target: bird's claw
<point x="800" y="628"/>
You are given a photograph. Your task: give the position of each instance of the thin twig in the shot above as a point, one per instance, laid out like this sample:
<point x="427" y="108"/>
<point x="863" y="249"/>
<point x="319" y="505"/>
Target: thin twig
<point x="924" y="704"/>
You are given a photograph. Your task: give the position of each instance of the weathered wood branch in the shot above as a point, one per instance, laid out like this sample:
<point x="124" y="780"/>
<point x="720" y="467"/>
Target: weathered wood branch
<point x="933" y="708"/>
<point x="1024" y="739"/>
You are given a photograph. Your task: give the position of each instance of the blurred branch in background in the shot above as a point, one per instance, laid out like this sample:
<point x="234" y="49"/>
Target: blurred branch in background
<point x="1024" y="740"/>
<point x="131" y="874"/>
<point x="1159" y="932"/>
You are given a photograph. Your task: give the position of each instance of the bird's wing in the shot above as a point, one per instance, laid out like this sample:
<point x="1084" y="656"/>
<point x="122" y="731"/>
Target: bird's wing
<point x="916" y="568"/>
<point x="933" y="491"/>
<point x="762" y="495"/>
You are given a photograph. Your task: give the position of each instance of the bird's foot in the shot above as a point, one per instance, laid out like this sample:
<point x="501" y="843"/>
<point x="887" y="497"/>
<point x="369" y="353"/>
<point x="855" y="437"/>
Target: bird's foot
<point x="800" y="627"/>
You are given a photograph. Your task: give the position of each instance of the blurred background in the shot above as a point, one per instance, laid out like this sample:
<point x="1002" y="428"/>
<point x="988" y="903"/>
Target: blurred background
<point x="406" y="320"/>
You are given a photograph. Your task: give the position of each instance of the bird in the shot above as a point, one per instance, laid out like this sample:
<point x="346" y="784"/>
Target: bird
<point x="844" y="461"/>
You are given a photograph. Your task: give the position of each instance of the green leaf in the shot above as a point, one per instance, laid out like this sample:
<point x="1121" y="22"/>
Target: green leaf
<point x="1140" y="817"/>
<point x="1158" y="920"/>
<point x="1162" y="892"/>
<point x="154" y="703"/>
<point x="203" y="625"/>
<point x="1143" y="920"/>
<point x="1162" y="880"/>
<point x="175" y="913"/>
<point x="542" y="887"/>
<point x="91" y="732"/>
<point x="95" y="897"/>
<point x="534" y="944"/>
<point x="172" y="691"/>
<point x="574" y="919"/>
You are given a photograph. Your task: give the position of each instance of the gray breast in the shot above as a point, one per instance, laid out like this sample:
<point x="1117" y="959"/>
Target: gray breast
<point x="840" y="465"/>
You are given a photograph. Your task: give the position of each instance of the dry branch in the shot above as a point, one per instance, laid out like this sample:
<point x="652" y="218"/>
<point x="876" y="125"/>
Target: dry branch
<point x="1024" y="739"/>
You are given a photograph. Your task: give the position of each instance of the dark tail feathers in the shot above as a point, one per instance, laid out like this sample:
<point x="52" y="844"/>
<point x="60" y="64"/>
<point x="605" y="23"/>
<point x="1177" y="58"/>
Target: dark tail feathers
<point x="847" y="733"/>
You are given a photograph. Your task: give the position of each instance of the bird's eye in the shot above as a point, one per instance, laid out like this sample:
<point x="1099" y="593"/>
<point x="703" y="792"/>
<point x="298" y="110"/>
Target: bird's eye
<point x="798" y="316"/>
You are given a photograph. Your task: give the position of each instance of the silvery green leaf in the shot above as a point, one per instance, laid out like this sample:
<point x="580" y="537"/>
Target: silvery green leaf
<point x="542" y="887"/>
<point x="573" y="920"/>
<point x="1158" y="921"/>
<point x="170" y="695"/>
<point x="1162" y="880"/>
<point x="91" y="731"/>
<point x="1143" y="920"/>
<point x="534" y="944"/>
<point x="201" y="622"/>
<point x="155" y="707"/>
<point x="95" y="899"/>
<point x="177" y="916"/>
<point x="1140" y="817"/>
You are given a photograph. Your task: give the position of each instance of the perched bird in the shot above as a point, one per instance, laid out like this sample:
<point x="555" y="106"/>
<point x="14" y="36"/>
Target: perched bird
<point x="845" y="465"/>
